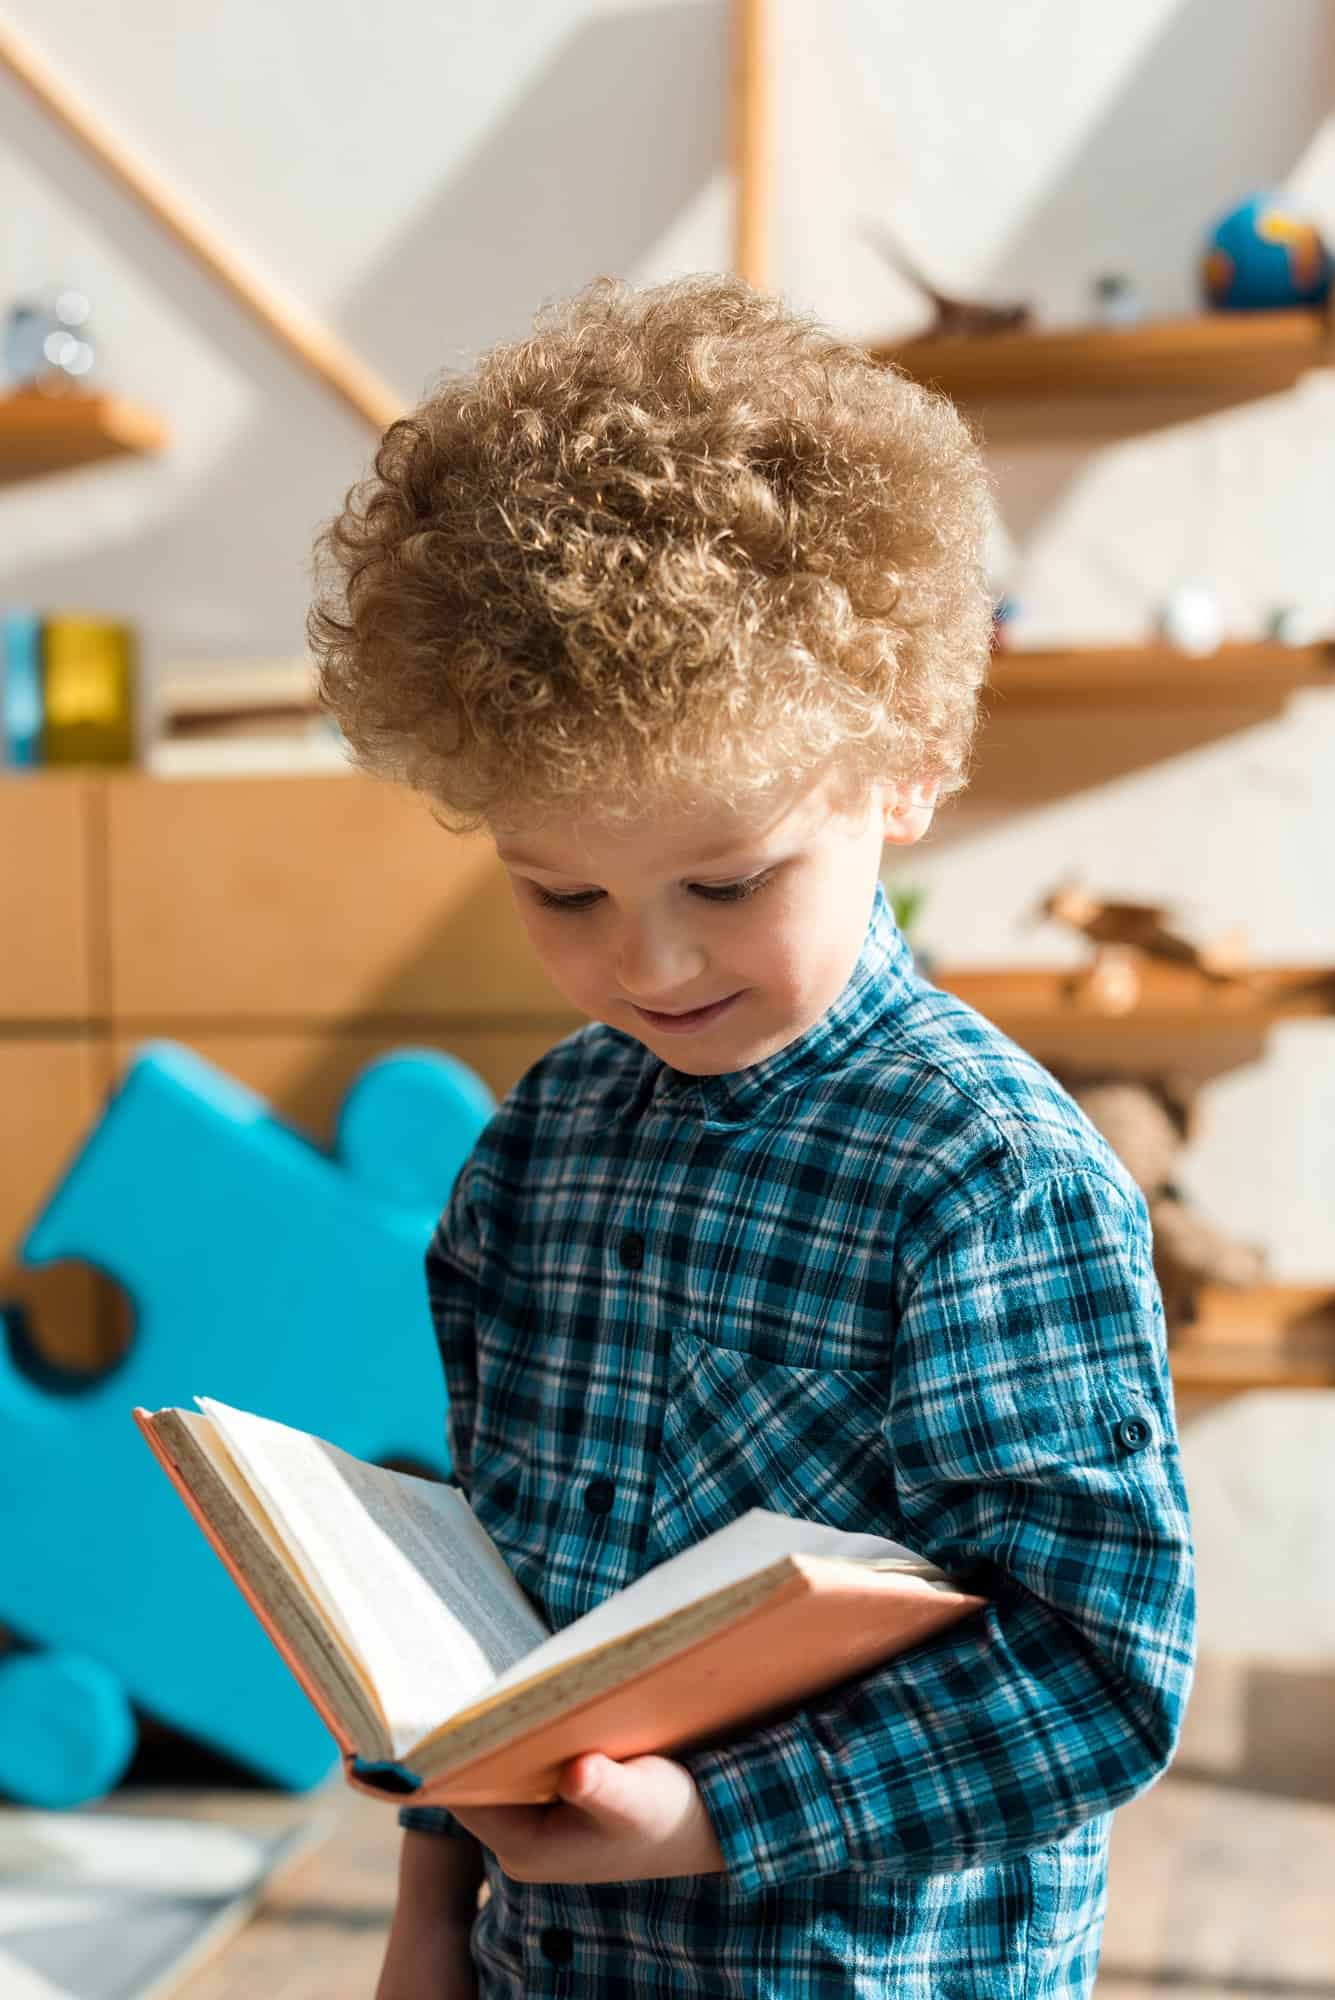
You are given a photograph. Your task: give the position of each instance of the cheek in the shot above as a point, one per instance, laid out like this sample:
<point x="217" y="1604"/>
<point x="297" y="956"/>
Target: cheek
<point x="557" y="946"/>
<point x="772" y="957"/>
<point x="800" y="950"/>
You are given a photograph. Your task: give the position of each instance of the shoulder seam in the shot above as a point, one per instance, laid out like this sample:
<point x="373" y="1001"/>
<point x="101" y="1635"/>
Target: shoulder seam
<point x="1044" y="1176"/>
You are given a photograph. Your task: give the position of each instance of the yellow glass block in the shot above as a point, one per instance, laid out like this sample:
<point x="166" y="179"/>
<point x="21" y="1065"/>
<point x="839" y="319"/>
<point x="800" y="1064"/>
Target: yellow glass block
<point x="89" y="675"/>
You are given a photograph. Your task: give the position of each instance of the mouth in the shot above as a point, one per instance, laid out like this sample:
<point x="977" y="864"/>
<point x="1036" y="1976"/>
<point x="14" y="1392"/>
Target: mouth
<point x="694" y="1017"/>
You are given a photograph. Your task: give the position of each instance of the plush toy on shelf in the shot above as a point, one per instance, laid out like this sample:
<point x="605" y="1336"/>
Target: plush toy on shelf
<point x="1147" y="1119"/>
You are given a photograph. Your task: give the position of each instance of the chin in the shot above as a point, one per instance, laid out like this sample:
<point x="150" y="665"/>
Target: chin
<point x="703" y="1065"/>
<point x="719" y="1062"/>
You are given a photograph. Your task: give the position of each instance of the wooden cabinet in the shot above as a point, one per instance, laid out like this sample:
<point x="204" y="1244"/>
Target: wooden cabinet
<point x="306" y="899"/>
<point x="50" y="946"/>
<point x="288" y="929"/>
<point x="50" y="1089"/>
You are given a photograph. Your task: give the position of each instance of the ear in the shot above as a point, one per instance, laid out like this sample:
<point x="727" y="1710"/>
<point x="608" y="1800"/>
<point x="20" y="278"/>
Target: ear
<point x="909" y="809"/>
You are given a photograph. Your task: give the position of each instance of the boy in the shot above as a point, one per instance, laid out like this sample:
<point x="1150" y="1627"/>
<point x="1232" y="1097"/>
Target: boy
<point x="681" y="600"/>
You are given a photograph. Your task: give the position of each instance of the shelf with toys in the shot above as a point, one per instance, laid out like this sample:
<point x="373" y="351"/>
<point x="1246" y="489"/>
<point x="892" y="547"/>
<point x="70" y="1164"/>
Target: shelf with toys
<point x="1257" y="1337"/>
<point x="1172" y="998"/>
<point x="1106" y="381"/>
<point x="60" y="433"/>
<point x="1132" y="1041"/>
<point x="1135" y="1032"/>
<point x="1240" y="671"/>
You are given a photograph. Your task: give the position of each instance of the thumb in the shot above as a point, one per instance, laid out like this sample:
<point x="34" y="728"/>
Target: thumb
<point x="584" y="1780"/>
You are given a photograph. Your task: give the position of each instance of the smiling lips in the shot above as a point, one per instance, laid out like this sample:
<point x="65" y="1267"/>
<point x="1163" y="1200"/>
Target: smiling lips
<point x="695" y="1017"/>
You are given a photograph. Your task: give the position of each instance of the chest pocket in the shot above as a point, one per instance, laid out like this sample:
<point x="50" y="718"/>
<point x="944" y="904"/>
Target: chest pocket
<point x="740" y="1430"/>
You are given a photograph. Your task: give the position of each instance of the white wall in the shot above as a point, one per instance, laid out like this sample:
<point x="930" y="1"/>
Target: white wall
<point x="422" y="176"/>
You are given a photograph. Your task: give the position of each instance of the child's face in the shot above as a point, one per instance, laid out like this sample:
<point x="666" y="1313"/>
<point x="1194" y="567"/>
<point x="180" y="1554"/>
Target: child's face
<point x="652" y="924"/>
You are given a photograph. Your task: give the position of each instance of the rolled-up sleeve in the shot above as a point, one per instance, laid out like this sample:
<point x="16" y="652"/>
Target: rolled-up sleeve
<point x="1032" y="1448"/>
<point x="452" y="1267"/>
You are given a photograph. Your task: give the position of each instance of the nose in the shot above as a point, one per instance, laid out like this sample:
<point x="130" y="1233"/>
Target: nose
<point x="656" y="958"/>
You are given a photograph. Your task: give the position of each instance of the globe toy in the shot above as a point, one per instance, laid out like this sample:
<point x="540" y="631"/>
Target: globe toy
<point x="1265" y="254"/>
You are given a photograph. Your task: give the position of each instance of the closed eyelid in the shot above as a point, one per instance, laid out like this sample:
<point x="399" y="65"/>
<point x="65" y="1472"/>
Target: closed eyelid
<point x="571" y="886"/>
<point x="736" y="889"/>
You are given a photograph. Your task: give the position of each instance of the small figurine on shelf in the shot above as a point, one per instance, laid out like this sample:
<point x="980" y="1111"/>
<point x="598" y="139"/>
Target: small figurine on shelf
<point x="1292" y="625"/>
<point x="1124" y="935"/>
<point x="1116" y="300"/>
<point x="1265" y="255"/>
<point x="1192" y="619"/>
<point x="953" y="315"/>
<point x="46" y="344"/>
<point x="1005" y="611"/>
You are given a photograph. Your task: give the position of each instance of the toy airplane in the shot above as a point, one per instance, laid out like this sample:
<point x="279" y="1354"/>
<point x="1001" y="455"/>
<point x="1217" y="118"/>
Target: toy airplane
<point x="953" y="316"/>
<point x="1124" y="934"/>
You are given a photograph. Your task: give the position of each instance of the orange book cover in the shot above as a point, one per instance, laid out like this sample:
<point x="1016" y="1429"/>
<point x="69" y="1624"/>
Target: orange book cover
<point x="807" y="1622"/>
<point x="824" y="1622"/>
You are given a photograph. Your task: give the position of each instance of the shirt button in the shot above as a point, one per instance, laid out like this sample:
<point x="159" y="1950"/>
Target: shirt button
<point x="631" y="1250"/>
<point x="598" y="1496"/>
<point x="1132" y="1434"/>
<point x="557" y="1945"/>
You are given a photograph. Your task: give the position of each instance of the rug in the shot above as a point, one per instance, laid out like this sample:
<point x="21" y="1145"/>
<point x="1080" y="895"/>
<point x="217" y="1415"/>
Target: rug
<point x="101" y="1906"/>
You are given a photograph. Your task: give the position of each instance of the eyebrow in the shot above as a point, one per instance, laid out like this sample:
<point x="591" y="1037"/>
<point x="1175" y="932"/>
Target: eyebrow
<point x="719" y="855"/>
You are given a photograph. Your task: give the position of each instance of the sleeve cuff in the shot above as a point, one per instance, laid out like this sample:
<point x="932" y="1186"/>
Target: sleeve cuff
<point x="772" y="1806"/>
<point x="433" y="1819"/>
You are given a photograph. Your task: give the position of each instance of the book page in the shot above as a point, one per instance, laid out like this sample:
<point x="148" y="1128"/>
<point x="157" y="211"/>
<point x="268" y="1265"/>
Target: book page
<point x="418" y="1582"/>
<point x="753" y="1541"/>
<point x="306" y="1623"/>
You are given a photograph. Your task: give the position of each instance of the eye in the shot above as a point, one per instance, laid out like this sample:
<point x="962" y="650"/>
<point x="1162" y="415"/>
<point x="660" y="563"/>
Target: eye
<point x="732" y="892"/>
<point x="550" y="901"/>
<point x="716" y="892"/>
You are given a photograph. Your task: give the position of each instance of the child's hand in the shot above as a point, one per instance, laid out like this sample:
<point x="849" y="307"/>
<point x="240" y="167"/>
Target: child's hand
<point x="628" y="1822"/>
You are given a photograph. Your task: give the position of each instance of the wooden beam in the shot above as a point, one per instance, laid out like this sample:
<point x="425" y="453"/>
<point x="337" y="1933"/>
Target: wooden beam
<point x="750" y="141"/>
<point x="313" y="345"/>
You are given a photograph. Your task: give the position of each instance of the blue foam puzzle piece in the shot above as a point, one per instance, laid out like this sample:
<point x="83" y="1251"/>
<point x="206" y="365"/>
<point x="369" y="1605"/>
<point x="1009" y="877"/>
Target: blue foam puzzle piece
<point x="68" y="1732"/>
<point x="264" y="1273"/>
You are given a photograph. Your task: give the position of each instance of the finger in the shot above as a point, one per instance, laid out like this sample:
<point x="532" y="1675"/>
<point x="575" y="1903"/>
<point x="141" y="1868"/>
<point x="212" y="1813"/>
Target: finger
<point x="584" y="1777"/>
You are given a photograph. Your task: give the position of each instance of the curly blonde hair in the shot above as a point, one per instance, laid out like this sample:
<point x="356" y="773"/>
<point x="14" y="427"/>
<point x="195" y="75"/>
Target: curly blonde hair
<point x="679" y="543"/>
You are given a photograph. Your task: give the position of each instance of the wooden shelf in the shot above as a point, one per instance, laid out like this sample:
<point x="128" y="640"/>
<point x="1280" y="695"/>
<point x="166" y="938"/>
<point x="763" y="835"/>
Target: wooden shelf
<point x="41" y="434"/>
<point x="1106" y="381"/>
<point x="1242" y="671"/>
<point x="1265" y="1337"/>
<point x="1035" y="1003"/>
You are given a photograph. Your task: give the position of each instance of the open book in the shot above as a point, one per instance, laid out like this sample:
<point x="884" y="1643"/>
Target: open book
<point x="395" y="1610"/>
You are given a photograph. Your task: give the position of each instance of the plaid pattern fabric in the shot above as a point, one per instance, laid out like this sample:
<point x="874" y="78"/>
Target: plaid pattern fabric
<point x="888" y="1278"/>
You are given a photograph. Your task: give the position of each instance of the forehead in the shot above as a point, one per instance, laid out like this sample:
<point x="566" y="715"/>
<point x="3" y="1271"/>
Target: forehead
<point x="666" y="839"/>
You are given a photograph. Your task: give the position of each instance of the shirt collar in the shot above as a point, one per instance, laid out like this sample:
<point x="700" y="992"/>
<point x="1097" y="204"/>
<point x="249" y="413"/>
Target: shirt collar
<point x="878" y="984"/>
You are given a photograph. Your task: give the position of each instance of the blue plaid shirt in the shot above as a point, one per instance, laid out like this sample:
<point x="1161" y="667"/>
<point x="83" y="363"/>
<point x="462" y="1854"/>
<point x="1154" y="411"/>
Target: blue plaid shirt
<point x="887" y="1278"/>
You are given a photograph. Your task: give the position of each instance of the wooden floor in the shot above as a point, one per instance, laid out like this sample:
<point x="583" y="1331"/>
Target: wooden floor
<point x="1222" y="1884"/>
